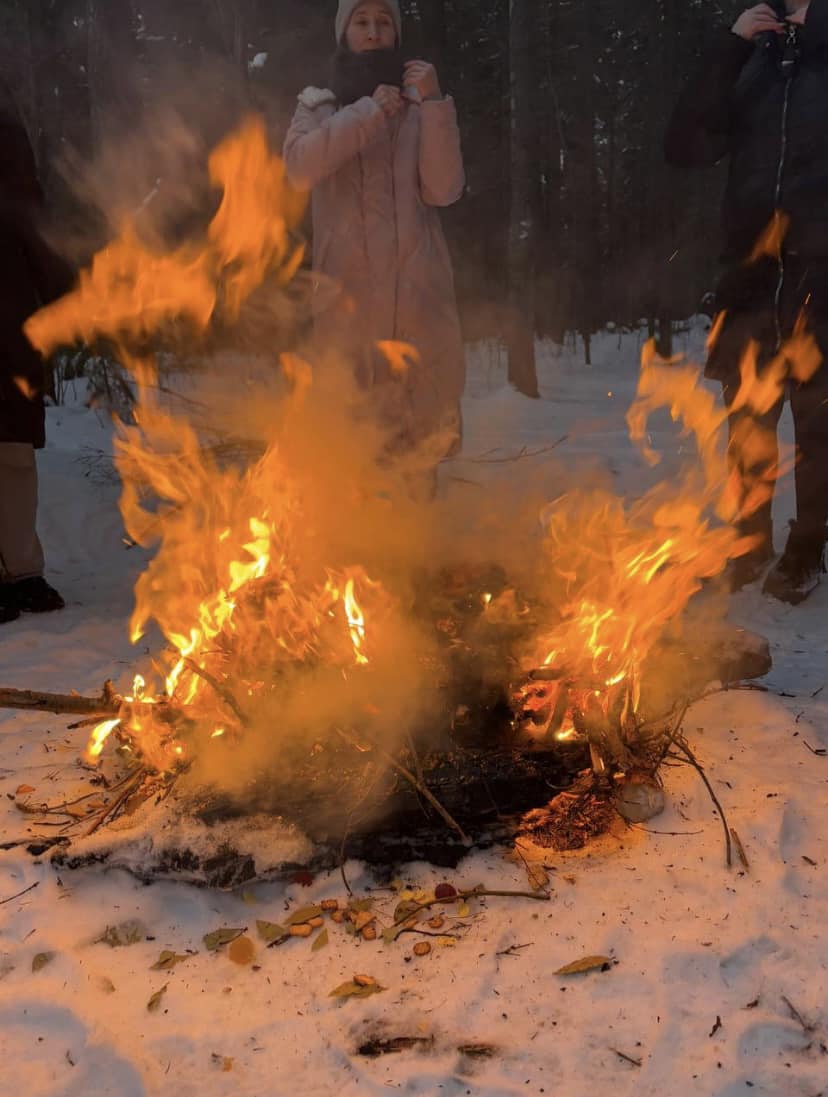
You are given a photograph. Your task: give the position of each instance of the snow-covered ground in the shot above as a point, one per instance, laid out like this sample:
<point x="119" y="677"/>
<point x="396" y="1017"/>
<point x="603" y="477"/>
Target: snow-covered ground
<point x="720" y="981"/>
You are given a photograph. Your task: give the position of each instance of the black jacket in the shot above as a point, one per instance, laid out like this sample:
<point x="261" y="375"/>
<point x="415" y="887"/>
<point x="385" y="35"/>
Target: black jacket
<point x="31" y="275"/>
<point x="772" y="123"/>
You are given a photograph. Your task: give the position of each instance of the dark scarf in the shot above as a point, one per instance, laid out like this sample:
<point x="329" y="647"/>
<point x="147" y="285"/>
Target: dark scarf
<point x="355" y="75"/>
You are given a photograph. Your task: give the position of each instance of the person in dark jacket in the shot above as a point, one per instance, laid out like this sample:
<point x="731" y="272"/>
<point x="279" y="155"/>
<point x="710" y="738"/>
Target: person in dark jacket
<point x="761" y="101"/>
<point x="31" y="275"/>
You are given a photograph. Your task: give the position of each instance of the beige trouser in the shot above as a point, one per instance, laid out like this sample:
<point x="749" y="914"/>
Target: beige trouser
<point x="20" y="553"/>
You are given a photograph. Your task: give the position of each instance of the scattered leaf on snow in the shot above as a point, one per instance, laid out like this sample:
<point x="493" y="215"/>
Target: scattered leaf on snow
<point x="29" y="809"/>
<point x="360" y="905"/>
<point x="364" y="918"/>
<point x="405" y="909"/>
<point x="224" y="1062"/>
<point x="361" y="986"/>
<point x="320" y="942"/>
<point x="124" y="934"/>
<point x="300" y="917"/>
<point x="390" y="934"/>
<point x="445" y="891"/>
<point x="106" y="984"/>
<point x="445" y="942"/>
<point x="23" y="790"/>
<point x="422" y="948"/>
<point x="272" y="931"/>
<point x="588" y="963"/>
<point x="168" y="960"/>
<point x="242" y="951"/>
<point x="304" y="930"/>
<point x="41" y="960"/>
<point x="221" y="937"/>
<point x="464" y="910"/>
<point x="155" y="1001"/>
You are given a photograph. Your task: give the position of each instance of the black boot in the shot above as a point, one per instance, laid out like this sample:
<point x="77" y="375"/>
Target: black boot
<point x="798" y="571"/>
<point x="7" y="612"/>
<point x="30" y="596"/>
<point x="748" y="569"/>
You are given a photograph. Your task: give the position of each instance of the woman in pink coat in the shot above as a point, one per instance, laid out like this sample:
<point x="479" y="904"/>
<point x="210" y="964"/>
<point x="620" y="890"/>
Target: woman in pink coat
<point x="380" y="151"/>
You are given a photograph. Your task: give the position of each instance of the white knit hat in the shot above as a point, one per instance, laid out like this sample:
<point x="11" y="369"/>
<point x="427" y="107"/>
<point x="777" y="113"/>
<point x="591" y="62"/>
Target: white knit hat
<point x="347" y="8"/>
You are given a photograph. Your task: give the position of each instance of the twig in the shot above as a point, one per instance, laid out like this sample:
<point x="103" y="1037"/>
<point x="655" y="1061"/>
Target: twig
<point x="112" y="808"/>
<point x="418" y="769"/>
<point x="348" y="821"/>
<point x="474" y="893"/>
<point x="797" y="1016"/>
<point x="409" y="776"/>
<point x="667" y="833"/>
<point x="11" y="898"/>
<point x="820" y="752"/>
<point x="627" y="1058"/>
<point x="694" y="762"/>
<point x="524" y="453"/>
<point x="740" y="849"/>
<point x="435" y="933"/>
<point x="512" y="950"/>
<point x="220" y="689"/>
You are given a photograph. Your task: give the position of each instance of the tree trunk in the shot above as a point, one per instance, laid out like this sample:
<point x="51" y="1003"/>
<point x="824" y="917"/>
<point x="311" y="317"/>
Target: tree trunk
<point x="523" y="205"/>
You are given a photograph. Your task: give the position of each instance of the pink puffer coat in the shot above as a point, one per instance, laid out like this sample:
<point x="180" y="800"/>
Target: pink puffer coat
<point x="377" y="237"/>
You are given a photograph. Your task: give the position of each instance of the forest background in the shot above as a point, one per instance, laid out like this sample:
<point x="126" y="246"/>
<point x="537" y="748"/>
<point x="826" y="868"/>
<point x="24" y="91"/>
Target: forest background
<point x="572" y="222"/>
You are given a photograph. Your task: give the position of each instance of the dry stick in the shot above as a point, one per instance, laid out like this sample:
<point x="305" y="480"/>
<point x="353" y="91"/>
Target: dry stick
<point x="474" y="893"/>
<point x="626" y="1058"/>
<point x="11" y="898"/>
<point x="59" y="809"/>
<point x="418" y="785"/>
<point x="524" y="453"/>
<point x="74" y="704"/>
<point x="110" y="811"/>
<point x="797" y="1016"/>
<point x="349" y="820"/>
<point x="694" y="762"/>
<point x="740" y="849"/>
<point x="221" y="690"/>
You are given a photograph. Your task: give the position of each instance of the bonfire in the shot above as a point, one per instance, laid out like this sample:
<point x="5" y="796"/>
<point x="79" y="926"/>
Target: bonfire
<point x="262" y="608"/>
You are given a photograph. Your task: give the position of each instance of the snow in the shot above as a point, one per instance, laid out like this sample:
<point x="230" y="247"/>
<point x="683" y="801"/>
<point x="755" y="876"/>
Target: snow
<point x="712" y="964"/>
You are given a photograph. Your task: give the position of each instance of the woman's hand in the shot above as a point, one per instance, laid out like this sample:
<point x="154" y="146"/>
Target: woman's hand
<point x="422" y="77"/>
<point x="759" y="20"/>
<point x="388" y="99"/>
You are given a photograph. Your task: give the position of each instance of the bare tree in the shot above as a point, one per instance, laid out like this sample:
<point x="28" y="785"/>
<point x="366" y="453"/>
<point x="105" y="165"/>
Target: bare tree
<point x="523" y="203"/>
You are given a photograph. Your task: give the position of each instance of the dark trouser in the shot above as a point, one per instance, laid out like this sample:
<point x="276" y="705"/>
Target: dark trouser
<point x="21" y="556"/>
<point x="809" y="405"/>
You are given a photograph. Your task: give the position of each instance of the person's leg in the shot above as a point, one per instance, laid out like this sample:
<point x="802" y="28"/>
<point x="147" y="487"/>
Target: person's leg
<point x="21" y="556"/>
<point x="798" y="571"/>
<point x="22" y="586"/>
<point x="809" y="404"/>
